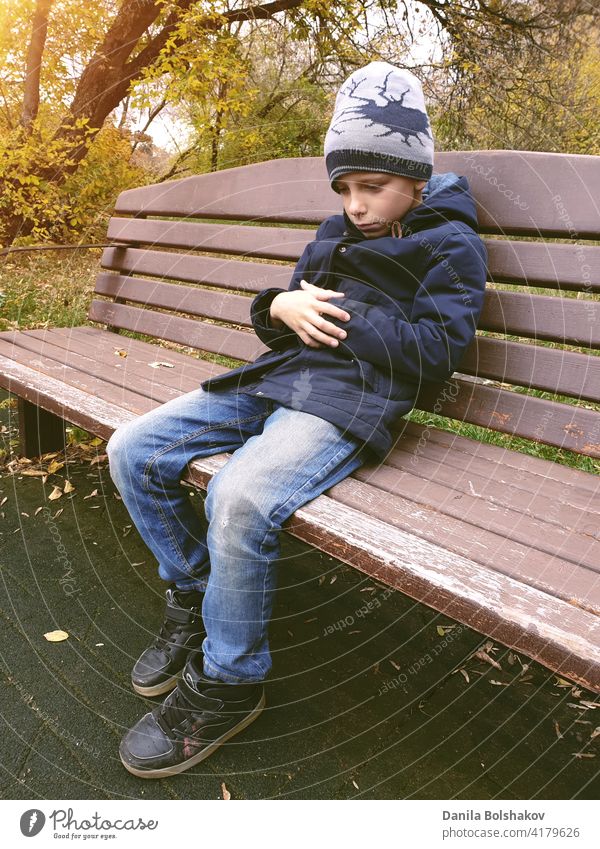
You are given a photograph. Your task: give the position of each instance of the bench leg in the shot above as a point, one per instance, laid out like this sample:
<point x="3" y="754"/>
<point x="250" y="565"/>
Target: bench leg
<point x="39" y="431"/>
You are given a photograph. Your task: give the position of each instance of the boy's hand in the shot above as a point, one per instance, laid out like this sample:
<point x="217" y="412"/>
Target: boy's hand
<point x="302" y="312"/>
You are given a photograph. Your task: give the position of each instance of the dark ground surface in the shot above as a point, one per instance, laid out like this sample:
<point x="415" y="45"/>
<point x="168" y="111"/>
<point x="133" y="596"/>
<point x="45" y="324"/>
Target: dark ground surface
<point x="372" y="708"/>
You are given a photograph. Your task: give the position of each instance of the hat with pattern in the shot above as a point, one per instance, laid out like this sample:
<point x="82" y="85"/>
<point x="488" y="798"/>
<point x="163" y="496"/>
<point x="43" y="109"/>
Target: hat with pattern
<point x="380" y="124"/>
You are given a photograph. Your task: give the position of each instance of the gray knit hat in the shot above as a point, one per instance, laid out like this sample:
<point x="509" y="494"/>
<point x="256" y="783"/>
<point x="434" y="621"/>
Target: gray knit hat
<point x="380" y="124"/>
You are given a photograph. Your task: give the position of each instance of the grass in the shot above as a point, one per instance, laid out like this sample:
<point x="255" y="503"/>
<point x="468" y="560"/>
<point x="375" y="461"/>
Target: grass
<point x="49" y="290"/>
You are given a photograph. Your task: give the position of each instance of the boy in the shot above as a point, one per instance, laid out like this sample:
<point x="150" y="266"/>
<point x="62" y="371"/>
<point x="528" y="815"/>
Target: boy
<point x="386" y="296"/>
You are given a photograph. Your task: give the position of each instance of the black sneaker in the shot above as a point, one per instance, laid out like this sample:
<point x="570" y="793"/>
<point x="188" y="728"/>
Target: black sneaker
<point x="159" y="666"/>
<point x="193" y="721"/>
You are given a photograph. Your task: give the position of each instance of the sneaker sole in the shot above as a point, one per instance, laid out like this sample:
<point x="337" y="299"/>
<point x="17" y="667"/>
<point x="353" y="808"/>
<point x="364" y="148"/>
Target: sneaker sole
<point x="205" y="753"/>
<point x="157" y="689"/>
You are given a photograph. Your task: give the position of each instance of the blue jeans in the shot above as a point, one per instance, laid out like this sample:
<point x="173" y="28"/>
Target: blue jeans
<point x="282" y="459"/>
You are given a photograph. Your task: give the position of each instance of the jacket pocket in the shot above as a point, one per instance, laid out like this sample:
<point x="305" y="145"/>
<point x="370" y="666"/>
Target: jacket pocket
<point x="369" y="374"/>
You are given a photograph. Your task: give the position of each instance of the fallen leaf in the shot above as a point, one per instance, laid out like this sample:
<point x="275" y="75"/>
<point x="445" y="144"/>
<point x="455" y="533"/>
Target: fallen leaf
<point x="595" y="732"/>
<point x="465" y="675"/>
<point x="96" y="441"/>
<point x="482" y="655"/>
<point x="54" y="467"/>
<point x="33" y="473"/>
<point x="557" y="729"/>
<point x="99" y="458"/>
<point x="68" y="487"/>
<point x="355" y="784"/>
<point x="590" y="704"/>
<point x="119" y="352"/>
<point x="333" y="580"/>
<point x="159" y="364"/>
<point x="4" y="500"/>
<point x="56" y="636"/>
<point x="225" y="791"/>
<point x="396" y="666"/>
<point x="56" y="493"/>
<point x="91" y="495"/>
<point x="562" y="682"/>
<point x="38" y="510"/>
<point x="583" y="754"/>
<point x="499" y="683"/>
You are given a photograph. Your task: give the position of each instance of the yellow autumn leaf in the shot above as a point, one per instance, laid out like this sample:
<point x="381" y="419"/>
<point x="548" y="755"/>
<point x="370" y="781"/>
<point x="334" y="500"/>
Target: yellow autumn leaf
<point x="56" y="493"/>
<point x="54" y="466"/>
<point x="56" y="636"/>
<point x="68" y="487"/>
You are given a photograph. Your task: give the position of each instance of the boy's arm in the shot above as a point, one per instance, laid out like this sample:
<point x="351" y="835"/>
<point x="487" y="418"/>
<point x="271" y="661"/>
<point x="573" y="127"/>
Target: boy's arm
<point x="278" y="338"/>
<point x="443" y="319"/>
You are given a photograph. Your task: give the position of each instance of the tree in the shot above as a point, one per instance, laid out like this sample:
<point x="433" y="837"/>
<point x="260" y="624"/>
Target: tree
<point x="67" y="66"/>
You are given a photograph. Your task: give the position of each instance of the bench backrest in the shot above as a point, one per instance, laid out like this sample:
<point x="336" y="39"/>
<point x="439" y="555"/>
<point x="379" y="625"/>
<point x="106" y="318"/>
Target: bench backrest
<point x="178" y="277"/>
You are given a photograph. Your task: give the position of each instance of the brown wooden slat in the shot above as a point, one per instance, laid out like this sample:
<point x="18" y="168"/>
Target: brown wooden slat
<point x="186" y="371"/>
<point x="518" y="414"/>
<point x="567" y="320"/>
<point x="503" y="493"/>
<point x="449" y="464"/>
<point x="190" y="268"/>
<point x="547" y="264"/>
<point x="544" y="264"/>
<point x="571" y="582"/>
<point x="281" y="243"/>
<point x="93" y="386"/>
<point x="533" y="366"/>
<point x="517" y="192"/>
<point x="184" y="331"/>
<point x="169" y="296"/>
<point x="86" y="368"/>
<point x="468" y="450"/>
<point x="566" y="543"/>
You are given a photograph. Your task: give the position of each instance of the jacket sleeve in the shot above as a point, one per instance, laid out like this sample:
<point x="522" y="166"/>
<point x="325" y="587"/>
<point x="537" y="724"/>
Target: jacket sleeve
<point x="278" y="339"/>
<point x="442" y="321"/>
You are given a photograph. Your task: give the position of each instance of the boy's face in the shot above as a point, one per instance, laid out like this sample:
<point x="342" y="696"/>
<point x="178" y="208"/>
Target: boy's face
<point x="373" y="200"/>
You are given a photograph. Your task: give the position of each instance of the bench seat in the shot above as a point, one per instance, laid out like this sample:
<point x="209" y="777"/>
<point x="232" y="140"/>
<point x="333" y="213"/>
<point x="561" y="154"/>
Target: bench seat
<point x="506" y="543"/>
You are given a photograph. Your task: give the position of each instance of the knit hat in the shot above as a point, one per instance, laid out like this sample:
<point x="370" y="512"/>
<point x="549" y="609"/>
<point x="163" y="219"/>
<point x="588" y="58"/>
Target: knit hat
<point x="380" y="124"/>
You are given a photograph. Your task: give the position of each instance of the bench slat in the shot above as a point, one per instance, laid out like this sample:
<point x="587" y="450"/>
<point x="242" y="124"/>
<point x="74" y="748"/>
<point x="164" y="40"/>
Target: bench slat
<point x="562" y="425"/>
<point x="192" y="268"/>
<point x="201" y="302"/>
<point x="282" y="243"/>
<point x="567" y="543"/>
<point x="508" y="556"/>
<point x="184" y="331"/>
<point x="566" y="320"/>
<point x="518" y="192"/>
<point x="534" y="366"/>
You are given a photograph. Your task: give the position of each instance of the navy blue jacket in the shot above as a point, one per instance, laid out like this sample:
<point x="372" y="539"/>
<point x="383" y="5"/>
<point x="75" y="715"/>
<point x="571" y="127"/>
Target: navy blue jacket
<point x="414" y="304"/>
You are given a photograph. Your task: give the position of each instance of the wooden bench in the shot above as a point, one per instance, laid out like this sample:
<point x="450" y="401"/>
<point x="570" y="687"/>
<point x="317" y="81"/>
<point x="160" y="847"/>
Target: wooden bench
<point x="504" y="542"/>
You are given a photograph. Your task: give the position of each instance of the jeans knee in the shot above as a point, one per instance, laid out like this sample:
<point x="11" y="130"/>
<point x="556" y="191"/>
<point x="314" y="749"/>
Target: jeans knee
<point x="230" y="508"/>
<point x="121" y="450"/>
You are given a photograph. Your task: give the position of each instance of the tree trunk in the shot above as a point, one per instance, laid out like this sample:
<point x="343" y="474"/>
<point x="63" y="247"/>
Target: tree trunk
<point x="31" y="96"/>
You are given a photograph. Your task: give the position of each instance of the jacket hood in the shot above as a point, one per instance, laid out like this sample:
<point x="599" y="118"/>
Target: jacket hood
<point x="446" y="197"/>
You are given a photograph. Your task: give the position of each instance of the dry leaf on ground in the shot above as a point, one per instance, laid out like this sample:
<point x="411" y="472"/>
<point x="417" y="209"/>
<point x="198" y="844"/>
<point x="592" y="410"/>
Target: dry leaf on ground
<point x="56" y="636"/>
